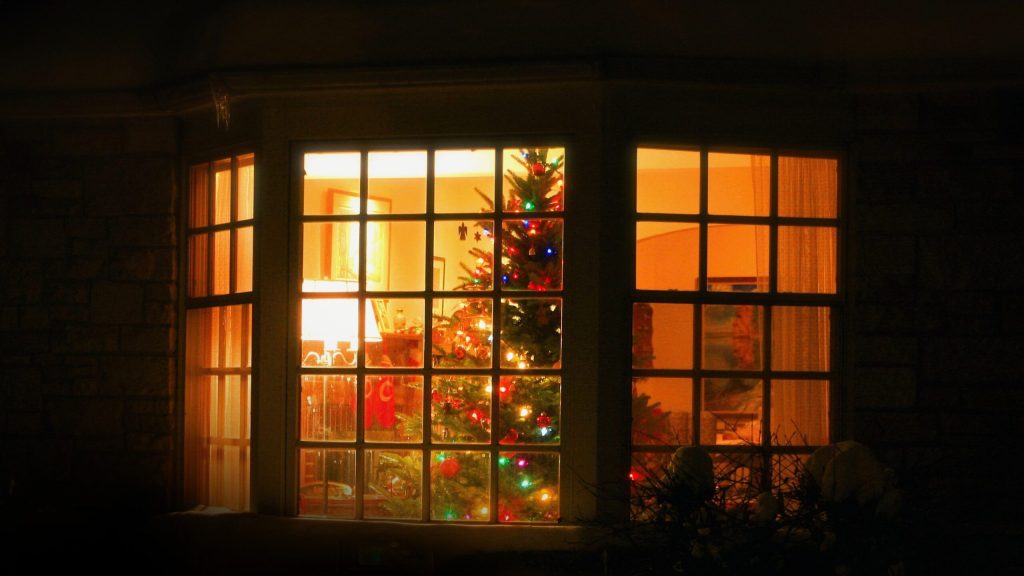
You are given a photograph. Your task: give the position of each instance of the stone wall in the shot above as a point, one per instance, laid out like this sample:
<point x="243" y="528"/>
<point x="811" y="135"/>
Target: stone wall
<point x="87" y="313"/>
<point x="937" y="343"/>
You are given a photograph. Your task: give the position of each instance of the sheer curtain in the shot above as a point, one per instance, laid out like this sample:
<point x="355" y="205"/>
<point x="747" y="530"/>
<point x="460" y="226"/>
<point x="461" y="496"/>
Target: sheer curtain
<point x="217" y="399"/>
<point x="806" y="264"/>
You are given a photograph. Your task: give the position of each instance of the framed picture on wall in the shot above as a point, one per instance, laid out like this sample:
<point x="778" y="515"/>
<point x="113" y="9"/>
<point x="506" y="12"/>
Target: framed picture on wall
<point x="732" y="339"/>
<point x="341" y="241"/>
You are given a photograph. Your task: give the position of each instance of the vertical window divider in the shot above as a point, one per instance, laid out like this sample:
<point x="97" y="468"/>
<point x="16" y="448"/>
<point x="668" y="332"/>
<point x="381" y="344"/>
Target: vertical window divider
<point x="211" y="216"/>
<point x="773" y="277"/>
<point x="496" y="273"/>
<point x="360" y="488"/>
<point x="428" y="323"/>
<point x="233" y="236"/>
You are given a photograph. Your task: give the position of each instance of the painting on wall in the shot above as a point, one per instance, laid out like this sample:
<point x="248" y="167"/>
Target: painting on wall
<point x="342" y="242"/>
<point x="733" y="340"/>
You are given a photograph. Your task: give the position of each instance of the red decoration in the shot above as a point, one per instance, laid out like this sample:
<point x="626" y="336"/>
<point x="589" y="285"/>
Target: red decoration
<point x="538" y="169"/>
<point x="543" y="421"/>
<point x="435" y="397"/>
<point x="510" y="437"/>
<point x="449" y="468"/>
<point x="380" y="402"/>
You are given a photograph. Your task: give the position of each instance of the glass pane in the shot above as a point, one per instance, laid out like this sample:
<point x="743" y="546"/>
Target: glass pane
<point x="393" y="484"/>
<point x="463" y="255"/>
<point x="198" y="264"/>
<point x="647" y="475"/>
<point x="395" y="253"/>
<point x="217" y="406"/>
<point x="531" y="254"/>
<point x="394" y="408"/>
<point x="667" y="181"/>
<point x="732" y="336"/>
<point x="329" y="332"/>
<point x="738" y="253"/>
<point x="246" y="187"/>
<point x="326" y="482"/>
<point x="462" y="334"/>
<point x="534" y="179"/>
<point x="464" y="181"/>
<point x="807" y="259"/>
<point x="662" y="411"/>
<point x="460" y="486"/>
<point x="328" y="408"/>
<point x="731" y="412"/>
<point x="800" y="338"/>
<point x="808" y="187"/>
<point x="222" y="262"/>
<point x="528" y="410"/>
<point x="527" y="487"/>
<point x="799" y="412"/>
<point x="531" y="333"/>
<point x="199" y="199"/>
<point x="662" y="335"/>
<point x="787" y="470"/>
<point x="222" y="191"/>
<point x="738" y="184"/>
<point x="243" y="260"/>
<point x="400" y="179"/>
<point x="330" y="257"/>
<point x="667" y="255"/>
<point x="331" y="183"/>
<point x="394" y="333"/>
<point x="460" y="409"/>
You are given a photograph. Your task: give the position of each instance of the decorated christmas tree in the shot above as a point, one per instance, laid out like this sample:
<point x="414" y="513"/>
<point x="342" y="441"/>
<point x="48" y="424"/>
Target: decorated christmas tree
<point x="528" y="405"/>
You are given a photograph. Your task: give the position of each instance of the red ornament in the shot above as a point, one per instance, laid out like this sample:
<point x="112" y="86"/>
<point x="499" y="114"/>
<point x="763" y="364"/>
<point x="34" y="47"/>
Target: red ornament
<point x="436" y="397"/>
<point x="543" y="421"/>
<point x="449" y="468"/>
<point x="460" y="352"/>
<point x="510" y="437"/>
<point x="538" y="169"/>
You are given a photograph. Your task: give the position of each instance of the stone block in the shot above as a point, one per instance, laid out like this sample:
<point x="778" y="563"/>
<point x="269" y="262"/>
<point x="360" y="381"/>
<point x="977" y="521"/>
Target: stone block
<point x="151" y="136"/>
<point x="148" y="442"/>
<point x="904" y="218"/>
<point x="84" y="417"/>
<point x="881" y="349"/>
<point x="24" y="423"/>
<point x="884" y="386"/>
<point x="885" y="255"/>
<point x="81" y="267"/>
<point x="92" y="339"/>
<point x="144" y="339"/>
<point x="972" y="359"/>
<point x="886" y="112"/>
<point x="87" y="227"/>
<point x="34" y="318"/>
<point x="116" y="303"/>
<point x="39" y="238"/>
<point x="888" y="318"/>
<point x="143" y="231"/>
<point x="159" y="313"/>
<point x="150" y="423"/>
<point x="886" y="182"/>
<point x="896" y="428"/>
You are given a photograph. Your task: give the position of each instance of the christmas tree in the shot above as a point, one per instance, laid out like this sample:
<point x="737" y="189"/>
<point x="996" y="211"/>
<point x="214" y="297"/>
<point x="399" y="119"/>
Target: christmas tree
<point x="528" y="408"/>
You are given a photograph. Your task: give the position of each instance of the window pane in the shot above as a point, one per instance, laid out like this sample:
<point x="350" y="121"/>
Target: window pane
<point x="738" y="184"/>
<point x="528" y="411"/>
<point x="198" y="264"/>
<point x="527" y="487"/>
<point x="393" y="484"/>
<point x="464" y="181"/>
<point x="737" y="476"/>
<point x="738" y="251"/>
<point x="647" y="475"/>
<point x="243" y="260"/>
<point x="326" y="481"/>
<point x="222" y="191"/>
<point x="331" y="183"/>
<point x="329" y="332"/>
<point x="199" y="199"/>
<point x="531" y="254"/>
<point x="800" y="338"/>
<point x="807" y="259"/>
<point x="330" y="256"/>
<point x="394" y="333"/>
<point x="667" y="181"/>
<point x="667" y="255"/>
<point x="731" y="412"/>
<point x="401" y="178"/>
<point x="463" y="255"/>
<point x="732" y="336"/>
<point x="462" y="334"/>
<point x="534" y="179"/>
<point x="799" y="412"/>
<point x="328" y="408"/>
<point x="246" y="187"/>
<point x="460" y="409"/>
<point x="808" y="187"/>
<point x="662" y="335"/>
<point x="395" y="252"/>
<point x="531" y="333"/>
<point x="394" y="408"/>
<point x="217" y="406"/>
<point x="222" y="262"/>
<point x="460" y="485"/>
<point x="662" y="411"/>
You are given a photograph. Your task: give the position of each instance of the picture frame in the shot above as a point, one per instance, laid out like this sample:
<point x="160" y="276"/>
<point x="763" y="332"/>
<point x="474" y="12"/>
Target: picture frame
<point x="382" y="316"/>
<point x="732" y="339"/>
<point x="437" y="285"/>
<point x="340" y="254"/>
